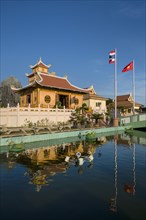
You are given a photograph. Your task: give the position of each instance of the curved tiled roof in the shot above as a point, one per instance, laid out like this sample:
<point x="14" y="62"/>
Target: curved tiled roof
<point x="94" y="96"/>
<point x="50" y="81"/>
<point x="124" y="104"/>
<point x="54" y="82"/>
<point x="58" y="82"/>
<point x="123" y="97"/>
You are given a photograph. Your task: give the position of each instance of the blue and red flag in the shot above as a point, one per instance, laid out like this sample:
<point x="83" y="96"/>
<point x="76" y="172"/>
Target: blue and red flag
<point x="112" y="55"/>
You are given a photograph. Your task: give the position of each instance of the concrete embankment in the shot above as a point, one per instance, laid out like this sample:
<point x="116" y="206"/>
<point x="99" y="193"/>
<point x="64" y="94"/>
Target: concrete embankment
<point x="7" y="141"/>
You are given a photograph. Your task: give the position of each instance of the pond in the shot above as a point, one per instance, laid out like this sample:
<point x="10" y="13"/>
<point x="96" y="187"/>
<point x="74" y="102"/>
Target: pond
<point x="100" y="179"/>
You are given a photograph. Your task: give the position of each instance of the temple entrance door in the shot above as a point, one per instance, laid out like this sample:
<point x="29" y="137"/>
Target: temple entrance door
<point x="29" y="99"/>
<point x="64" y="99"/>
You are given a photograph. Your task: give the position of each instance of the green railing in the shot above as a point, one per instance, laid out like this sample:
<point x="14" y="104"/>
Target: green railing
<point x="136" y="121"/>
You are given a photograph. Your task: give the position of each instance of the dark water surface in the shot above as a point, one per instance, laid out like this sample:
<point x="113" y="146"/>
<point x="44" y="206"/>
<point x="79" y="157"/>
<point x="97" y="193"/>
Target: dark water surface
<point x="108" y="181"/>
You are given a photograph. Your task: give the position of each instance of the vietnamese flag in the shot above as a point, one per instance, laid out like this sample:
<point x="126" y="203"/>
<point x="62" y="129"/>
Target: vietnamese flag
<point x="128" y="67"/>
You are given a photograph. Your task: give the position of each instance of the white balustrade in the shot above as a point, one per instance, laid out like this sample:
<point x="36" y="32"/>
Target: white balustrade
<point x="17" y="116"/>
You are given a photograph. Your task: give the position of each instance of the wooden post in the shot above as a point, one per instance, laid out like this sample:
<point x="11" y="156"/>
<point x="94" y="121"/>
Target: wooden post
<point x="69" y="101"/>
<point x="18" y="114"/>
<point x="7" y="117"/>
<point x="38" y="98"/>
<point x="39" y="111"/>
<point x="29" y="116"/>
<point x="48" y="112"/>
<point x="56" y="114"/>
<point x="63" y="114"/>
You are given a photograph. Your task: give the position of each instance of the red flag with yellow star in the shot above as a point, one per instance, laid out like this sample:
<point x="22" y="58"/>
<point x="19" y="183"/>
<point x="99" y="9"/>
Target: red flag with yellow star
<point x="128" y="67"/>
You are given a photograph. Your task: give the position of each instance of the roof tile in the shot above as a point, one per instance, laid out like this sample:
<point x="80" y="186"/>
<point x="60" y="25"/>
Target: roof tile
<point x="58" y="82"/>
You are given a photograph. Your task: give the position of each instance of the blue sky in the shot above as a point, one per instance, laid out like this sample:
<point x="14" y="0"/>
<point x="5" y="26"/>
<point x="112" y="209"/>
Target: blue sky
<point x="75" y="37"/>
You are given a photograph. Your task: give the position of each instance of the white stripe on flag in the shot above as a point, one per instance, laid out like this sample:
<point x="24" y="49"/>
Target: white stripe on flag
<point x="112" y="53"/>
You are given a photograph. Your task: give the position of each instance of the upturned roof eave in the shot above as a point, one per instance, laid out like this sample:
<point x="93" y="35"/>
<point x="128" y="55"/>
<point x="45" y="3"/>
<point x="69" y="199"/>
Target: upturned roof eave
<point x="38" y="63"/>
<point x="61" y="88"/>
<point x="17" y="90"/>
<point x="74" y="88"/>
<point x="29" y="75"/>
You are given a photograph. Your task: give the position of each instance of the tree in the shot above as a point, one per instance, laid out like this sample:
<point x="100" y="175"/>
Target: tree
<point x="110" y="107"/>
<point x="84" y="108"/>
<point x="96" y="117"/>
<point x="78" y="118"/>
<point x="6" y="93"/>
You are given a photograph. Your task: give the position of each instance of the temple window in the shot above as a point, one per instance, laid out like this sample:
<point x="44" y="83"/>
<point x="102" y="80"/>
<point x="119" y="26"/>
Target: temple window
<point x="28" y="98"/>
<point x="35" y="99"/>
<point x="76" y="101"/>
<point x="98" y="104"/>
<point x="47" y="99"/>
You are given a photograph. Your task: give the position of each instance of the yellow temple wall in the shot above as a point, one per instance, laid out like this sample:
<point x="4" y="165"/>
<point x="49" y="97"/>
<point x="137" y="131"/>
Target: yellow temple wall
<point x="38" y="95"/>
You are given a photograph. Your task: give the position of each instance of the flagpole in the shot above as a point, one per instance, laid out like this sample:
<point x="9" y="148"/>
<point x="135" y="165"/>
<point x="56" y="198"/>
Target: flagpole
<point x="116" y="170"/>
<point x="115" y="84"/>
<point x="134" y="176"/>
<point x="133" y="86"/>
<point x="113" y="201"/>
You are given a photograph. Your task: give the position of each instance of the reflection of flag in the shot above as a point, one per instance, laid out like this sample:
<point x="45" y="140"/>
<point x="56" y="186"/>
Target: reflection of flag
<point x="112" y="56"/>
<point x="128" y="67"/>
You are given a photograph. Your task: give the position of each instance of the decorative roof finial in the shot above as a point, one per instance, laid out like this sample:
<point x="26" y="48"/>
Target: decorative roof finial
<point x="40" y="62"/>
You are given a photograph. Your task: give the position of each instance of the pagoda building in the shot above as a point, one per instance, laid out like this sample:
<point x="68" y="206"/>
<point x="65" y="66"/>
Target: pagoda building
<point x="46" y="89"/>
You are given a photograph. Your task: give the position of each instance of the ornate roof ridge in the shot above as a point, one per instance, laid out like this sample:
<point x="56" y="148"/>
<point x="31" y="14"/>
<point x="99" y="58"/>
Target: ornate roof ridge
<point x="40" y="62"/>
<point x="91" y="88"/>
<point x="129" y="94"/>
<point x="62" y="78"/>
<point x="94" y="96"/>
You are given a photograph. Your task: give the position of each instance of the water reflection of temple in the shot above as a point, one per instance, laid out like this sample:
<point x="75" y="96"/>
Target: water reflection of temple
<point x="57" y="153"/>
<point x="45" y="162"/>
<point x="53" y="160"/>
<point x="42" y="154"/>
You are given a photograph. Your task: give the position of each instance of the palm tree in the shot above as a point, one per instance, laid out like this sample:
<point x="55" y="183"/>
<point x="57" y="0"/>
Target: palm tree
<point x="84" y="108"/>
<point x="96" y="117"/>
<point x="78" y="117"/>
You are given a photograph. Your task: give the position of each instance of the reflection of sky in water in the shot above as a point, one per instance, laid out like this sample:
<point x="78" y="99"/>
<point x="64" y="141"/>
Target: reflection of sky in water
<point x="106" y="182"/>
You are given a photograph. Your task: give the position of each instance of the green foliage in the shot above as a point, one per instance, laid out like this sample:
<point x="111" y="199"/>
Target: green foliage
<point x="84" y="105"/>
<point x="110" y="107"/>
<point x="84" y="108"/>
<point x="58" y="105"/>
<point x="96" y="117"/>
<point x="109" y="101"/>
<point x="77" y="116"/>
<point x="40" y="123"/>
<point x="91" y="135"/>
<point x="6" y="93"/>
<point x="83" y="117"/>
